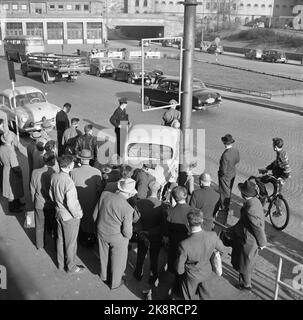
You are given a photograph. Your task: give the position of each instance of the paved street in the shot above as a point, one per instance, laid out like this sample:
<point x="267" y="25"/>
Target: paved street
<point x="94" y="99"/>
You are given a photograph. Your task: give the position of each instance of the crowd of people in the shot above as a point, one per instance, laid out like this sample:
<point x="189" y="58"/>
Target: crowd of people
<point x="75" y="200"/>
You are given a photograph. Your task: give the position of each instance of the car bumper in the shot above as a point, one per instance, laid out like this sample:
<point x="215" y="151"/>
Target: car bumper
<point x="37" y="126"/>
<point x="208" y="106"/>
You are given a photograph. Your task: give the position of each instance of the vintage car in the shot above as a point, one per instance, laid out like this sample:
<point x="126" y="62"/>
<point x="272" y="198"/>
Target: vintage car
<point x="167" y="88"/>
<point x="254" y="54"/>
<point x="31" y="108"/>
<point x="101" y="66"/>
<point x="129" y="71"/>
<point x="146" y="43"/>
<point x="274" y="56"/>
<point x="167" y="43"/>
<point x="154" y="144"/>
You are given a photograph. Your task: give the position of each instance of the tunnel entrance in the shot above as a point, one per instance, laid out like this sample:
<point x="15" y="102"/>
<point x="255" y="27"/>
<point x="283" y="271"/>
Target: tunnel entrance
<point x="139" y="32"/>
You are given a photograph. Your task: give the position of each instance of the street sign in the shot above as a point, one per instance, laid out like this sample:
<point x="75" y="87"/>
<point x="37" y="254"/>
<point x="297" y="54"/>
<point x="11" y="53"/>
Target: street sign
<point x="11" y="70"/>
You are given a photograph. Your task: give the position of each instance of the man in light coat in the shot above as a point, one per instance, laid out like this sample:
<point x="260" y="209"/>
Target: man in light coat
<point x="194" y="258"/>
<point x="68" y="214"/>
<point x="88" y="182"/>
<point x="35" y="136"/>
<point x="249" y="235"/>
<point x="114" y="218"/>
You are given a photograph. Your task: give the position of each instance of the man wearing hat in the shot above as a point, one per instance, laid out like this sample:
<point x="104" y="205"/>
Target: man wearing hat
<point x="88" y="182"/>
<point x="114" y="218"/>
<point x="118" y="116"/>
<point x="38" y="154"/>
<point x="70" y="136"/>
<point x="143" y="178"/>
<point x="62" y="123"/>
<point x="250" y="235"/>
<point x="35" y="136"/>
<point x="227" y="172"/>
<point x="44" y="207"/>
<point x="88" y="142"/>
<point x="205" y="200"/>
<point x="12" y="181"/>
<point x="152" y="217"/>
<point x="171" y="114"/>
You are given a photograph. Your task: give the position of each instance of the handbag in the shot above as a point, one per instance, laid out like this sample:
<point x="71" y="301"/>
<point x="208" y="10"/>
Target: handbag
<point x="227" y="237"/>
<point x="216" y="263"/>
<point x="29" y="221"/>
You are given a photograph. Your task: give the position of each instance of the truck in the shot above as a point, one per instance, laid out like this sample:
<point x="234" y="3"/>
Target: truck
<point x="54" y="67"/>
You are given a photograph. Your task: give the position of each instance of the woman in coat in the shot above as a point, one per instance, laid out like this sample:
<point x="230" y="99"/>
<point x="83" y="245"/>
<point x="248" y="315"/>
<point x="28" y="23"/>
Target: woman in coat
<point x="12" y="183"/>
<point x="249" y="233"/>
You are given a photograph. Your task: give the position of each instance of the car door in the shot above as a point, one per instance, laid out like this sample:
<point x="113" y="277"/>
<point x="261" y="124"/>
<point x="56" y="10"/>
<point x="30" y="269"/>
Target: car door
<point x="126" y="71"/>
<point x="161" y="94"/>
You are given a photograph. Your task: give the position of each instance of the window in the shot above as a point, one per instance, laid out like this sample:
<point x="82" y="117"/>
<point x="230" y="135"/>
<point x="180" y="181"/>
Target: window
<point x="14" y="29"/>
<point x="34" y="29"/>
<point x="270" y="6"/>
<point x="60" y="6"/>
<point x="248" y="5"/>
<point x="69" y="7"/>
<point x="284" y="6"/>
<point x="263" y="5"/>
<point x="5" y="6"/>
<point x="74" y="30"/>
<point x="54" y="30"/>
<point x="94" y="30"/>
<point x="241" y="5"/>
<point x="171" y="3"/>
<point x="145" y="4"/>
<point x="137" y="3"/>
<point x="52" y="7"/>
<point x="277" y="6"/>
<point x="256" y="5"/>
<point x="14" y="6"/>
<point x="24" y="7"/>
<point x="234" y="6"/>
<point x="163" y="2"/>
<point x="77" y="7"/>
<point x="215" y="6"/>
<point x="86" y="7"/>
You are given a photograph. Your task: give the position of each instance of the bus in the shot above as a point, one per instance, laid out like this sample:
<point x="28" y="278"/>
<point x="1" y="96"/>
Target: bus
<point x="17" y="47"/>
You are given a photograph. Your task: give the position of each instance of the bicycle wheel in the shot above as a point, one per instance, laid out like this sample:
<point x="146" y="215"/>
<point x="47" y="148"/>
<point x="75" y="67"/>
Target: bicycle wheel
<point x="279" y="212"/>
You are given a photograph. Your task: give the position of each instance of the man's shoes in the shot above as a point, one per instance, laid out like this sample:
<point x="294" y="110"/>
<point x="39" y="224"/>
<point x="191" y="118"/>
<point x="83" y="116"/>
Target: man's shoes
<point x="120" y="285"/>
<point x="242" y="287"/>
<point x="77" y="270"/>
<point x="137" y="276"/>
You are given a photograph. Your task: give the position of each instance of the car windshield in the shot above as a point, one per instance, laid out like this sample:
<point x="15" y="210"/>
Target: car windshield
<point x="150" y="151"/>
<point x="197" y="84"/>
<point x="28" y="98"/>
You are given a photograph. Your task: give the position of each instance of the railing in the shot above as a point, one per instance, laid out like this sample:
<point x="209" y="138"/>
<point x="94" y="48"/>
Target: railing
<point x="278" y="281"/>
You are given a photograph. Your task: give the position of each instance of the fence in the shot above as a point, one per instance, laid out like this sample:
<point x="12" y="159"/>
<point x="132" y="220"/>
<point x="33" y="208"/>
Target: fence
<point x="278" y="281"/>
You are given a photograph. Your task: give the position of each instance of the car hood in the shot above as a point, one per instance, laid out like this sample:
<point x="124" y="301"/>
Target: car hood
<point x="205" y="94"/>
<point x="36" y="111"/>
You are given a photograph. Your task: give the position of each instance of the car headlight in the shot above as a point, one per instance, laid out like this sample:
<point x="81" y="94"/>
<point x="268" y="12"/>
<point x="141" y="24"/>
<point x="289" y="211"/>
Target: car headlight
<point x="219" y="98"/>
<point x="23" y="119"/>
<point x="199" y="101"/>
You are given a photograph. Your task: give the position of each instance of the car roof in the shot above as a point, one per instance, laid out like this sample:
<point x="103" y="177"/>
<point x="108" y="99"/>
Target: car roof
<point x="175" y="78"/>
<point x="130" y="62"/>
<point x="20" y="90"/>
<point x="156" y="134"/>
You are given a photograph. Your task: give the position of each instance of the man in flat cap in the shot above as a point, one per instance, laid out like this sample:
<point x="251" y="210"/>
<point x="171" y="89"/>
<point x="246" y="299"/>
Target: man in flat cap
<point x="118" y="116"/>
<point x="70" y="136"/>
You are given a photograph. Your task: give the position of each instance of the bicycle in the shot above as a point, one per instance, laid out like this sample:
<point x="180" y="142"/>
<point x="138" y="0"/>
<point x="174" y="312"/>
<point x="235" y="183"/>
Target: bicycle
<point x="278" y="208"/>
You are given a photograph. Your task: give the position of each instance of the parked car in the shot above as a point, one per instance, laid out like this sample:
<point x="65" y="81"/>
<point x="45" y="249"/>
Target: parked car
<point x="101" y="66"/>
<point x="204" y="45"/>
<point x="31" y="108"/>
<point x="129" y="71"/>
<point x="274" y="56"/>
<point x="167" y="88"/>
<point x="146" y="43"/>
<point x="213" y="48"/>
<point x="254" y="54"/>
<point x="167" y="43"/>
<point x="153" y="76"/>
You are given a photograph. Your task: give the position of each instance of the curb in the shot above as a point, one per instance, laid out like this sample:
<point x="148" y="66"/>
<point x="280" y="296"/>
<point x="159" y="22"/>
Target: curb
<point x="282" y="107"/>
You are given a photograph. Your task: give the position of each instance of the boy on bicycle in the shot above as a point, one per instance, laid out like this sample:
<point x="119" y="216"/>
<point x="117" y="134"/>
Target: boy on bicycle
<point x="280" y="169"/>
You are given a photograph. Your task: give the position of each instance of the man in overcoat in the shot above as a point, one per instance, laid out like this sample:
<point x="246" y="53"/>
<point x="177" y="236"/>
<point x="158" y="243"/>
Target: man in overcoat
<point x="62" y="123"/>
<point x="88" y="181"/>
<point x="249" y="233"/>
<point x="12" y="181"/>
<point x="194" y="259"/>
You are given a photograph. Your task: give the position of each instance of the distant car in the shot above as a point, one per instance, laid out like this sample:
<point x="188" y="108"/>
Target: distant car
<point x="167" y="88"/>
<point x="129" y="71"/>
<point x="101" y="66"/>
<point x="167" y="43"/>
<point x="204" y="45"/>
<point x="146" y="43"/>
<point x="254" y="54"/>
<point x="274" y="56"/>
<point x="31" y="108"/>
<point x="153" y="76"/>
<point x="213" y="48"/>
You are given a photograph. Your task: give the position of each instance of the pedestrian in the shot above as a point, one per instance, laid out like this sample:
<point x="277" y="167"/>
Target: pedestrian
<point x="87" y="141"/>
<point x="143" y="178"/>
<point x="38" y="154"/>
<point x="189" y="183"/>
<point x="176" y="229"/>
<point x="35" y="136"/>
<point x="152" y="217"/>
<point x="167" y="194"/>
<point x="126" y="171"/>
<point x="118" y="116"/>
<point x="68" y="214"/>
<point x="171" y="114"/>
<point x="114" y="218"/>
<point x="88" y="182"/>
<point x="226" y="174"/>
<point x="12" y="181"/>
<point x="44" y="207"/>
<point x="46" y="128"/>
<point x="62" y="123"/>
<point x="205" y="200"/>
<point x="70" y="136"/>
<point x="193" y="262"/>
<point x="249" y="235"/>
<point x="51" y="146"/>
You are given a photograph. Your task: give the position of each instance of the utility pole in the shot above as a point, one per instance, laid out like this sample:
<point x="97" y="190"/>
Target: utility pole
<point x="202" y="22"/>
<point x="186" y="86"/>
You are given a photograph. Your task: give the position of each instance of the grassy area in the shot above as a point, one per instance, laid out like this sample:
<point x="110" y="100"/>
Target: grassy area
<point x="225" y="76"/>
